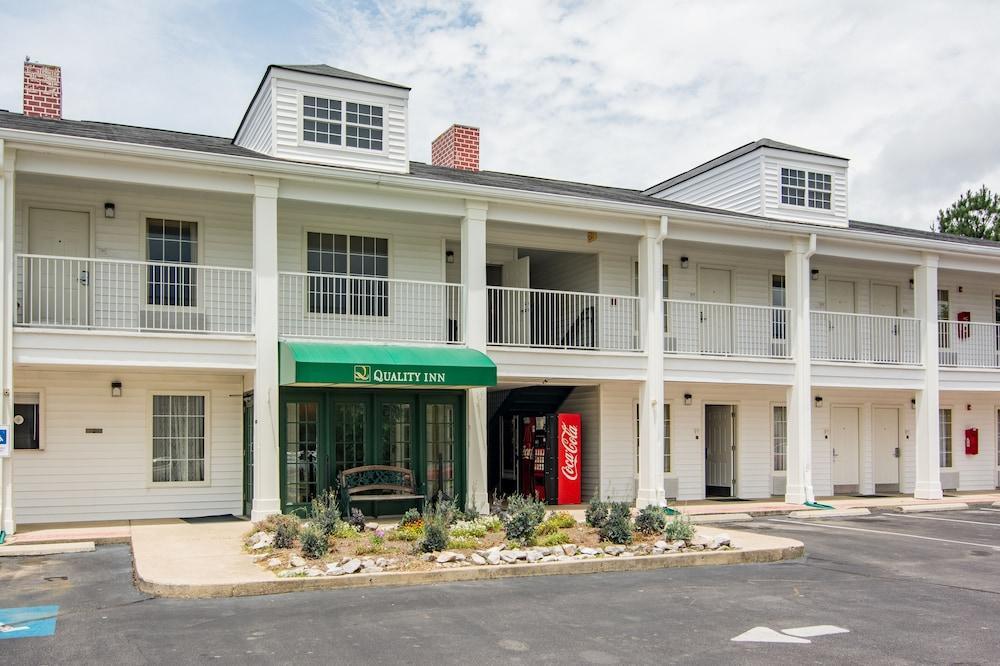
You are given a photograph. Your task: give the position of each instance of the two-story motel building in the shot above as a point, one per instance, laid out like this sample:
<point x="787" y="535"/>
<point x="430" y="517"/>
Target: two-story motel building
<point x="200" y="325"/>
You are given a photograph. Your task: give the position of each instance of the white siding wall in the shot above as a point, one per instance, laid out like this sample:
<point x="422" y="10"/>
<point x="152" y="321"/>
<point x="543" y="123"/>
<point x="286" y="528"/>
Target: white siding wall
<point x="288" y="144"/>
<point x="257" y="132"/>
<point x="104" y="476"/>
<point x="586" y="401"/>
<point x="618" y="441"/>
<point x="774" y="161"/>
<point x="975" y="472"/>
<point x="732" y="186"/>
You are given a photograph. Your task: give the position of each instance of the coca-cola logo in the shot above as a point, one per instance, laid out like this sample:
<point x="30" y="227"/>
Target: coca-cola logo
<point x="569" y="438"/>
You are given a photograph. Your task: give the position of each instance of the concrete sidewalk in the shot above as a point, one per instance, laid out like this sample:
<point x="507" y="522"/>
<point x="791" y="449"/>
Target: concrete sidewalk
<point x="771" y="507"/>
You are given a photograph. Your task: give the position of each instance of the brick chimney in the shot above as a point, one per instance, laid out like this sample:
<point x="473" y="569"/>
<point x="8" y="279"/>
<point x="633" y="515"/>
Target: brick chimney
<point x="42" y="90"/>
<point x="457" y="148"/>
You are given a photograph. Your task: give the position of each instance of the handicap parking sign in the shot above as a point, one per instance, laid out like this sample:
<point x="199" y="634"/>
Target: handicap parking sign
<point x="28" y="622"/>
<point x="5" y="441"/>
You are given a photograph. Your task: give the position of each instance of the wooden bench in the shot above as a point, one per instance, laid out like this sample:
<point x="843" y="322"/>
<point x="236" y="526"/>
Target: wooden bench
<point x="392" y="484"/>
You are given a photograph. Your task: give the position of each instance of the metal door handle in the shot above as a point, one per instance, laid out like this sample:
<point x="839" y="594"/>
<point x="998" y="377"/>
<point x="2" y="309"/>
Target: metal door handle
<point x="895" y="452"/>
<point x="84" y="278"/>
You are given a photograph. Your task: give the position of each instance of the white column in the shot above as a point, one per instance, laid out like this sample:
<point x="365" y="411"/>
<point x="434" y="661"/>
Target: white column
<point x="7" y="521"/>
<point x="266" y="490"/>
<point x="798" y="479"/>
<point x="474" y="324"/>
<point x="650" y="490"/>
<point x="925" y="288"/>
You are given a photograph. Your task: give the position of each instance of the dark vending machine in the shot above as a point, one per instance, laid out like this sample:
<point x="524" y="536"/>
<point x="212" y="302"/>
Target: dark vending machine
<point x="550" y="458"/>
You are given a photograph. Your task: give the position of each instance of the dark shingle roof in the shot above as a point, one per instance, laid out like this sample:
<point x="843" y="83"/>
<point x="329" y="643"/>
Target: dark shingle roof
<point x="326" y="70"/>
<point x="729" y="157"/>
<point x="907" y="232"/>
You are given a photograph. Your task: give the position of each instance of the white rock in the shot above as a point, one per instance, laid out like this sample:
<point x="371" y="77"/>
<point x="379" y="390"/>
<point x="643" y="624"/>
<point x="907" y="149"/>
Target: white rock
<point x="428" y="557"/>
<point x="657" y="551"/>
<point x="352" y="566"/>
<point x="334" y="571"/>
<point x="676" y="545"/>
<point x="533" y="556"/>
<point x="459" y="557"/>
<point x="446" y="556"/>
<point x="569" y="548"/>
<point x="368" y="563"/>
<point x="662" y="545"/>
<point x="719" y="540"/>
<point x="519" y="554"/>
<point x="371" y="526"/>
<point x="274" y="562"/>
<point x="296" y="561"/>
<point x="627" y="553"/>
<point x="493" y="557"/>
<point x="508" y="557"/>
<point x="478" y="559"/>
<point x="589" y="551"/>
<point x="288" y="573"/>
<point x="614" y="550"/>
<point x="700" y="540"/>
<point x="312" y="572"/>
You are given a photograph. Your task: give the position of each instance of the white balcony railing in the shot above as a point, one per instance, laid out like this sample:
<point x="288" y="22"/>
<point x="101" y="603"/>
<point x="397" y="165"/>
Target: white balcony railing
<point x="725" y="329"/>
<point x="865" y="338"/>
<point x="562" y="319"/>
<point x="315" y="305"/>
<point x="86" y="293"/>
<point x="966" y="344"/>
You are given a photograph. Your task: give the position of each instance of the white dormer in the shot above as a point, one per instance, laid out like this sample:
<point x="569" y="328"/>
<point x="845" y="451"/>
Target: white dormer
<point x="767" y="178"/>
<point x="324" y="115"/>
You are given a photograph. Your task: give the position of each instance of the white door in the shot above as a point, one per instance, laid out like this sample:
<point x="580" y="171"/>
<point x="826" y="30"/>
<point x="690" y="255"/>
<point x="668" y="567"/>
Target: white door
<point x="515" y="305"/>
<point x="844" y="441"/>
<point x="842" y="331"/>
<point x="720" y="449"/>
<point x="886" y="341"/>
<point x="885" y="424"/>
<point x="716" y="321"/>
<point x="58" y="288"/>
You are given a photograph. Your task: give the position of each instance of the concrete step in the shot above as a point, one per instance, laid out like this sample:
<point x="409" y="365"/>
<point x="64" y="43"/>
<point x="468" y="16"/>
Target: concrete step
<point x="819" y="514"/>
<point x="15" y="550"/>
<point x="924" y="508"/>
<point x="709" y="518"/>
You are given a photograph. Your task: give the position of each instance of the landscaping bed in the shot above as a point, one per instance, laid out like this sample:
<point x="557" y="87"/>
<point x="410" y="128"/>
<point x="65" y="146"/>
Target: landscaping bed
<point x="521" y="531"/>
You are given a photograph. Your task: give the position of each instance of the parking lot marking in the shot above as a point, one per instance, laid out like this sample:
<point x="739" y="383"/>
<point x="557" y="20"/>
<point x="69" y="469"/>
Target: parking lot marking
<point x="986" y="508"/>
<point x="766" y="635"/>
<point x="28" y="622"/>
<point x="816" y="630"/>
<point x="948" y="520"/>
<point x="899" y="534"/>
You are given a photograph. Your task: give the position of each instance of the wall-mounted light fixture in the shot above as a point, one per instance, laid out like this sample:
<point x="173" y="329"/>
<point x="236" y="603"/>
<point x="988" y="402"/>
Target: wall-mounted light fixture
<point x="960" y="289"/>
<point x="913" y="403"/>
<point x="684" y="262"/>
<point x="911" y="283"/>
<point x="116" y="389"/>
<point x="968" y="407"/>
<point x="449" y="256"/>
<point x="819" y="400"/>
<point x="814" y="274"/>
<point x="109" y="210"/>
<point x="687" y="398"/>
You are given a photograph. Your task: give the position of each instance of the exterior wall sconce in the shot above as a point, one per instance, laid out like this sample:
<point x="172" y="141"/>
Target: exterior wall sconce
<point x="911" y="283"/>
<point x="913" y="403"/>
<point x="814" y="274"/>
<point x="960" y="289"/>
<point x="116" y="389"/>
<point x="687" y="398"/>
<point x="449" y="256"/>
<point x="819" y="401"/>
<point x="684" y="262"/>
<point x="109" y="210"/>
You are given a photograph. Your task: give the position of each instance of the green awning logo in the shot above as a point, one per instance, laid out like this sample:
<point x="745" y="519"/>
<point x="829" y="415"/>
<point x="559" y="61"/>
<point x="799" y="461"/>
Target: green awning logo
<point x="363" y="373"/>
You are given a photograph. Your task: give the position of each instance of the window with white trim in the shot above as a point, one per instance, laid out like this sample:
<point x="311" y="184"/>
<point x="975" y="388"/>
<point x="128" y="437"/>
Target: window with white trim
<point x="779" y="299"/>
<point x="178" y="438"/>
<point x="27" y="421"/>
<point x="998" y="438"/>
<point x="666" y="439"/>
<point x="779" y="437"/>
<point x="944" y="436"/>
<point x="173" y="246"/>
<point x="800" y="188"/>
<point x="944" y="314"/>
<point x="335" y="122"/>
<point x="362" y="260"/>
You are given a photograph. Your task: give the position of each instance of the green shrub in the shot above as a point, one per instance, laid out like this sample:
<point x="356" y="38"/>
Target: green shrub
<point x="436" y="521"/>
<point x="546" y="528"/>
<point x="524" y="515"/>
<point x="618" y="527"/>
<point x="411" y="532"/>
<point x="357" y="520"/>
<point x="271" y="523"/>
<point x="409" y="518"/>
<point x="650" y="520"/>
<point x="314" y="542"/>
<point x="286" y="531"/>
<point x="680" y="528"/>
<point x="597" y="512"/>
<point x="375" y="545"/>
<point x="554" y="539"/>
<point x="561" y="519"/>
<point x="464" y="528"/>
<point x="463" y="543"/>
<point x="345" y="531"/>
<point x="324" y="512"/>
<point x="491" y="523"/>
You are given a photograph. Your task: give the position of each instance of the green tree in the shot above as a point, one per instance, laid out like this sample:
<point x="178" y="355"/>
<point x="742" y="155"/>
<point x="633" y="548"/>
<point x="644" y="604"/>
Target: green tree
<point x="975" y="214"/>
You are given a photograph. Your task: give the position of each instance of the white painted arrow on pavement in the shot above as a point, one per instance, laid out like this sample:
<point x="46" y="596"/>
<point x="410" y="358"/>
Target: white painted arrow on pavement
<point x="816" y="630"/>
<point x="766" y="635"/>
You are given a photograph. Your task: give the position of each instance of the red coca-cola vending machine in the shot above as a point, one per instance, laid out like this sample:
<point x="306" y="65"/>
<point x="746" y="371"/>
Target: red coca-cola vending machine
<point x="551" y="458"/>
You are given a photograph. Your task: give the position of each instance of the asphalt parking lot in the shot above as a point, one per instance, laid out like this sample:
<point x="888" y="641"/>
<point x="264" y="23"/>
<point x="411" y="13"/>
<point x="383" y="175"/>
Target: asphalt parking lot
<point x="907" y="589"/>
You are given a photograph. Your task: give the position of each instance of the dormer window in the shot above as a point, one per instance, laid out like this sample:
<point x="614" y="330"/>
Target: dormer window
<point x="799" y="187"/>
<point x="338" y="123"/>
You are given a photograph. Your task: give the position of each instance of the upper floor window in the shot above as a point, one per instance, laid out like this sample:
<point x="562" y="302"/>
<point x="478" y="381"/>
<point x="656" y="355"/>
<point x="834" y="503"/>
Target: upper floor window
<point x="366" y="258"/>
<point x="799" y="188"/>
<point x="944" y="315"/>
<point x="171" y="242"/>
<point x="337" y="123"/>
<point x="779" y="318"/>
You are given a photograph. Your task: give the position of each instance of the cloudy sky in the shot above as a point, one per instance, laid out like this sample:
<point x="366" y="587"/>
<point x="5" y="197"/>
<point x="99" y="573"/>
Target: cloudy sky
<point x="607" y="92"/>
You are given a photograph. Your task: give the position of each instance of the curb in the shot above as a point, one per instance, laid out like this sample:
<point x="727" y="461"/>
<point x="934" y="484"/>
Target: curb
<point x="924" y="508"/>
<point x="712" y="518"/>
<point x="819" y="514"/>
<point x="794" y="550"/>
<point x="26" y="549"/>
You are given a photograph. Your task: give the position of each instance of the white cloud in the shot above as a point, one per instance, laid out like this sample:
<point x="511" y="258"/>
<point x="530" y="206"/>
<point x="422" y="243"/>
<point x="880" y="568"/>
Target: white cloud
<point x="607" y="92"/>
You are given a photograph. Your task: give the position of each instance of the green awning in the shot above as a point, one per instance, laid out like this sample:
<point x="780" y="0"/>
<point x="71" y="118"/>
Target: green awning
<point x="333" y="364"/>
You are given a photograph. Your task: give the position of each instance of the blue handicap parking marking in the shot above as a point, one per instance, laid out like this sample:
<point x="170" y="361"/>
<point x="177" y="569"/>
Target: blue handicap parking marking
<point x="28" y="622"/>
